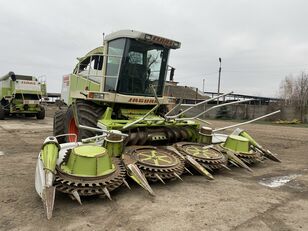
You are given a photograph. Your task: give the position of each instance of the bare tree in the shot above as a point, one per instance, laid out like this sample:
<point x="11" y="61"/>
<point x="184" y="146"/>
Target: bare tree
<point x="152" y="60"/>
<point x="286" y="89"/>
<point x="294" y="90"/>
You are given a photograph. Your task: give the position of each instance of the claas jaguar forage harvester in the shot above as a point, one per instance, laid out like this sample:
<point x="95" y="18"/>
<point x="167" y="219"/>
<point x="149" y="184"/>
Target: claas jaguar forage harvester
<point x="119" y="125"/>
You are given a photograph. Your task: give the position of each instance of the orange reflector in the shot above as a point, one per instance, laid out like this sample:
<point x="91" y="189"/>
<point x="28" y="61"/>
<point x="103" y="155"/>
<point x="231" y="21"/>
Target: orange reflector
<point x="91" y="95"/>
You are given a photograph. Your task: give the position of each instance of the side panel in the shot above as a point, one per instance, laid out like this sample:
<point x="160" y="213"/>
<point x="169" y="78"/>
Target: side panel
<point x="73" y="84"/>
<point x="27" y="86"/>
<point x="5" y="88"/>
<point x="129" y="99"/>
<point x="65" y="88"/>
<point x="1" y="90"/>
<point x="44" y="89"/>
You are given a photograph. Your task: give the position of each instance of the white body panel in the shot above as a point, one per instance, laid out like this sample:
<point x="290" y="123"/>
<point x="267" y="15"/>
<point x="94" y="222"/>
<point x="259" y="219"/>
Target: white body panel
<point x="31" y="101"/>
<point x="39" y="176"/>
<point x="65" y="88"/>
<point x="27" y="85"/>
<point x="40" y="173"/>
<point x="219" y="138"/>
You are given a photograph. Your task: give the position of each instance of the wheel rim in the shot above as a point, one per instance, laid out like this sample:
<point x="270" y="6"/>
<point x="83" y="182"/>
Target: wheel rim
<point x="156" y="163"/>
<point x="201" y="152"/>
<point x="156" y="158"/>
<point x="72" y="129"/>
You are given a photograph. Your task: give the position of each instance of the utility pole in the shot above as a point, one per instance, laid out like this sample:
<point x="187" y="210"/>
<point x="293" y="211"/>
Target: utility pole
<point x="203" y="88"/>
<point x="219" y="73"/>
<point x="203" y="83"/>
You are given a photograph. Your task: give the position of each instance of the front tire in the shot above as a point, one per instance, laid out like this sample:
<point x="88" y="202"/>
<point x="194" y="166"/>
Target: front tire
<point x="41" y="114"/>
<point x="88" y="115"/>
<point x="2" y="113"/>
<point x="58" y="125"/>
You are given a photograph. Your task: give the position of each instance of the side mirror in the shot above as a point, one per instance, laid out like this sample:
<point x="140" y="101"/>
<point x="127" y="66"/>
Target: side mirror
<point x="13" y="77"/>
<point x="171" y="74"/>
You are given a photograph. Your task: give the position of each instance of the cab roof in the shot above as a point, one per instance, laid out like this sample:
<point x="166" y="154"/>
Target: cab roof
<point x="143" y="36"/>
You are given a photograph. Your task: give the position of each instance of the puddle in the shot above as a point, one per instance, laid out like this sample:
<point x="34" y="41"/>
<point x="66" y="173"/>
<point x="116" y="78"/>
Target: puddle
<point x="1" y="153"/>
<point x="277" y="181"/>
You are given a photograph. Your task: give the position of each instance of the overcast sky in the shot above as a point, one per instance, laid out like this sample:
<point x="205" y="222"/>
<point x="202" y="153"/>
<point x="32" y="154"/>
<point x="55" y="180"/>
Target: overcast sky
<point x="260" y="42"/>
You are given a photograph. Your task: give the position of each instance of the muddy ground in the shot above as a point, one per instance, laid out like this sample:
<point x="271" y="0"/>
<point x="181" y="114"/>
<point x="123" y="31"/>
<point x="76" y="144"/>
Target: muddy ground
<point x="235" y="200"/>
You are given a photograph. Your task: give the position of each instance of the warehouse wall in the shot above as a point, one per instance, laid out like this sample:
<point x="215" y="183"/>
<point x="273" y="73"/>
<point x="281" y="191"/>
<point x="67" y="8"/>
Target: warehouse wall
<point x="246" y="111"/>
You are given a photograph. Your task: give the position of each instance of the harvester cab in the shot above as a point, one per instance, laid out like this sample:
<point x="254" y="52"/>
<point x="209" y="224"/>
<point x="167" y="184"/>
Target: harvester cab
<point x="118" y="126"/>
<point x="123" y="80"/>
<point x="130" y="63"/>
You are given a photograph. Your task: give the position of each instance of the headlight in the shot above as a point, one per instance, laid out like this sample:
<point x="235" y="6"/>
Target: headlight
<point x="95" y="95"/>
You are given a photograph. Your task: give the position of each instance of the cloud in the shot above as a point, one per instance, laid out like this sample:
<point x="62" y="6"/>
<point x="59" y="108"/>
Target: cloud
<point x="259" y="41"/>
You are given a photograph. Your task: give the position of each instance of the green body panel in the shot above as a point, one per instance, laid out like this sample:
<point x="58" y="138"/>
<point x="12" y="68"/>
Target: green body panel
<point x="237" y="143"/>
<point x="44" y="89"/>
<point x="50" y="153"/>
<point x="205" y="139"/>
<point x="79" y="83"/>
<point x="114" y="148"/>
<point x="88" y="161"/>
<point x="17" y="106"/>
<point x="5" y="92"/>
<point x="119" y="124"/>
<point x="112" y="124"/>
<point x="251" y="140"/>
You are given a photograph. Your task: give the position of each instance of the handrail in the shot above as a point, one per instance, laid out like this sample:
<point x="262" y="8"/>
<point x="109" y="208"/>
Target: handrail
<point x="198" y="104"/>
<point x="217" y="106"/>
<point x="247" y="122"/>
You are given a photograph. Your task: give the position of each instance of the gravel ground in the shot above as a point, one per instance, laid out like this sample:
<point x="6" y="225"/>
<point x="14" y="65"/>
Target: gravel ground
<point x="235" y="200"/>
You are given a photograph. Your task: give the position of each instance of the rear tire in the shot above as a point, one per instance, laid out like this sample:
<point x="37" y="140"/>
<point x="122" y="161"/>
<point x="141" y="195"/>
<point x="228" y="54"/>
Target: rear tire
<point x="2" y="113"/>
<point x="58" y="125"/>
<point x="88" y="115"/>
<point x="41" y="114"/>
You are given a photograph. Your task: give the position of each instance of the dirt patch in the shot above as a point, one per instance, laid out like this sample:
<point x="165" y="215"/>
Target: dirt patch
<point x="233" y="201"/>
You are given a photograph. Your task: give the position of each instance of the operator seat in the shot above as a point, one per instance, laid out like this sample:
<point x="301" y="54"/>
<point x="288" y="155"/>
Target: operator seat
<point x="133" y="79"/>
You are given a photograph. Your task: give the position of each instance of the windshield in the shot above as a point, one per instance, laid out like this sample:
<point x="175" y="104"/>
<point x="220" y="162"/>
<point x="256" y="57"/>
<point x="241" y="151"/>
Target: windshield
<point x="143" y="65"/>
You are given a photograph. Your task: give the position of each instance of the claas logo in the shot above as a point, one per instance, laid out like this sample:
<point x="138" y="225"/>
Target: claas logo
<point x="28" y="82"/>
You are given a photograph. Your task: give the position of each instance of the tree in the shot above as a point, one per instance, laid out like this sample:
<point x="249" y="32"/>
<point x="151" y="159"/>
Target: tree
<point x="294" y="90"/>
